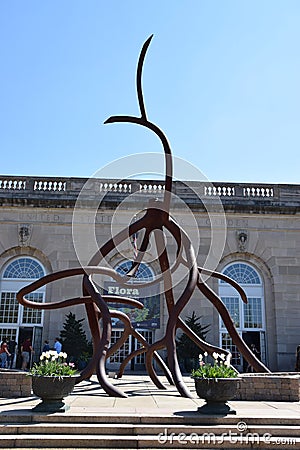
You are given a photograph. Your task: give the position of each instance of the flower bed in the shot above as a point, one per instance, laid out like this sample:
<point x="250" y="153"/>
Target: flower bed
<point x="53" y="364"/>
<point x="220" y="368"/>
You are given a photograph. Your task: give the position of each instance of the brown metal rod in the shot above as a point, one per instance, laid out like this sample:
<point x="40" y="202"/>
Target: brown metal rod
<point x="109" y="388"/>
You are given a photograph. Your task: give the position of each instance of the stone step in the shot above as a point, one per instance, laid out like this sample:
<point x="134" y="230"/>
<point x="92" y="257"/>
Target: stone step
<point x="143" y="442"/>
<point x="136" y="419"/>
<point x="147" y="429"/>
<point x="145" y="436"/>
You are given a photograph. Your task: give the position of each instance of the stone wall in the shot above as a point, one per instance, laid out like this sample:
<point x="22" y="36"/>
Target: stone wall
<point x="265" y="386"/>
<point x="255" y="386"/>
<point x="14" y="383"/>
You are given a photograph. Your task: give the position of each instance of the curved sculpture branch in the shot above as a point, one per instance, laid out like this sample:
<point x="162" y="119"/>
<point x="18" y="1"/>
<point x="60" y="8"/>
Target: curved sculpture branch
<point x="155" y="220"/>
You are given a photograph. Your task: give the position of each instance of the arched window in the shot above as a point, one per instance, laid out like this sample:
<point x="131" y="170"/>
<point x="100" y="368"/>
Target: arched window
<point x="249" y="319"/>
<point x="143" y="273"/>
<point x="146" y="320"/>
<point x="242" y="274"/>
<point x="26" y="268"/>
<point x="13" y="316"/>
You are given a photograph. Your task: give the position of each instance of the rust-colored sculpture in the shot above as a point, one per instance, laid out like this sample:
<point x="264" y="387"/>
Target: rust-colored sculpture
<point x="155" y="220"/>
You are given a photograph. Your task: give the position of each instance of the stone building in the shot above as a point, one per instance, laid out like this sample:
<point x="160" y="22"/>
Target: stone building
<point x="250" y="232"/>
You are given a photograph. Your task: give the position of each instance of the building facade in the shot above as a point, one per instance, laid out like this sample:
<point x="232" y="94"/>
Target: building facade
<point x="249" y="232"/>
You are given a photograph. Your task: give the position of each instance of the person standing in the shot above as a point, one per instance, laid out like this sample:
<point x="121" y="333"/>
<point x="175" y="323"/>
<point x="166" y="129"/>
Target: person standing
<point x="26" y="350"/>
<point x="255" y="353"/>
<point x="57" y="345"/>
<point x="4" y="354"/>
<point x="12" y="345"/>
<point x="46" y="346"/>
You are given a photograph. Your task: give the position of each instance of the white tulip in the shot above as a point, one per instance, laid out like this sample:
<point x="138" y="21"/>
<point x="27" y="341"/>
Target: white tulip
<point x="228" y="359"/>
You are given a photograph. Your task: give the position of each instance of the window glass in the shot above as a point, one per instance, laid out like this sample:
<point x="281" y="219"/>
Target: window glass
<point x="31" y="315"/>
<point x="15" y="276"/>
<point x="233" y="306"/>
<point x="248" y="317"/>
<point x="25" y="268"/>
<point x="9" y="307"/>
<point x="149" y="316"/>
<point x="253" y="313"/>
<point x="143" y="272"/>
<point x="226" y="342"/>
<point x="242" y="274"/>
<point x="123" y="351"/>
<point x="9" y="333"/>
<point x="148" y="335"/>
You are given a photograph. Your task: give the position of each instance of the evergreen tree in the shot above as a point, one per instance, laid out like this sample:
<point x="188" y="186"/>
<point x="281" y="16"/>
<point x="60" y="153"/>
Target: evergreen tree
<point x="186" y="348"/>
<point x="73" y="337"/>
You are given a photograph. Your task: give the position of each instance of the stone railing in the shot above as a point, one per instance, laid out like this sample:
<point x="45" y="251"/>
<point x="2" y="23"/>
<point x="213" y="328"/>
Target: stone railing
<point x="189" y="192"/>
<point x="12" y="184"/>
<point x="31" y="184"/>
<point x="49" y="185"/>
<point x="115" y="187"/>
<point x="257" y="191"/>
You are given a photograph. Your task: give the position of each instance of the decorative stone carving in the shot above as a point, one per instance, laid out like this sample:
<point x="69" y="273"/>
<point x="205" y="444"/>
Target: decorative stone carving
<point x="24" y="234"/>
<point x="242" y="239"/>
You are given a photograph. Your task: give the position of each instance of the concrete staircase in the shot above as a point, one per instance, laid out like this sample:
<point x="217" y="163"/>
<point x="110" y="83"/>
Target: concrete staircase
<point x="59" y="431"/>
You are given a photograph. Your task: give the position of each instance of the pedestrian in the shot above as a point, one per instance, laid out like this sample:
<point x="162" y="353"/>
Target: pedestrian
<point x="12" y="345"/>
<point x="297" y="365"/>
<point x="57" y="345"/>
<point x="26" y="350"/>
<point x="255" y="353"/>
<point x="4" y="354"/>
<point x="46" y="347"/>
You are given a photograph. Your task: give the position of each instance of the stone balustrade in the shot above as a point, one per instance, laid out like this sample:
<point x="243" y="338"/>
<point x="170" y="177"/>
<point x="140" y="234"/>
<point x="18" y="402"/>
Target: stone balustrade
<point x="243" y="195"/>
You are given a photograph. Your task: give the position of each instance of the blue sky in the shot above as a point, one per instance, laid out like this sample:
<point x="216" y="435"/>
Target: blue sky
<point x="221" y="78"/>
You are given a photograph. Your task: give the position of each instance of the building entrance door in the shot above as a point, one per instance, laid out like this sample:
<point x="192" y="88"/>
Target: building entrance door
<point x="24" y="333"/>
<point x="249" y="319"/>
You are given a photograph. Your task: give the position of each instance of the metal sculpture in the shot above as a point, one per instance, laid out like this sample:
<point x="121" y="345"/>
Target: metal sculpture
<point x="155" y="220"/>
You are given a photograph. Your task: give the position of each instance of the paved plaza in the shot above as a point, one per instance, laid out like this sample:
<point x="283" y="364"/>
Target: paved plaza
<point x="144" y="398"/>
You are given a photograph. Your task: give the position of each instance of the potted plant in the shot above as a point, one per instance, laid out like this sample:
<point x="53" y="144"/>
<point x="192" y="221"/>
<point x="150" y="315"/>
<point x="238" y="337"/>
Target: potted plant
<point x="52" y="380"/>
<point x="216" y="383"/>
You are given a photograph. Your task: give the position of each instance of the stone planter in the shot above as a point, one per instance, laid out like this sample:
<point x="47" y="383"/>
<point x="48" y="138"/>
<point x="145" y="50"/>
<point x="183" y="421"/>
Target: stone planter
<point x="216" y="392"/>
<point x="52" y="391"/>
